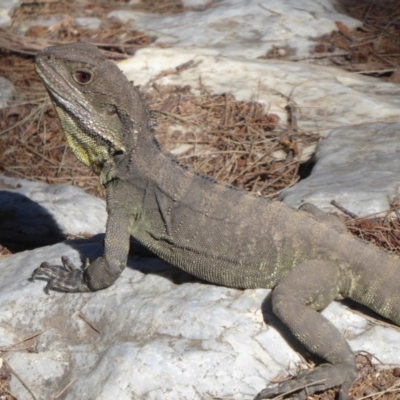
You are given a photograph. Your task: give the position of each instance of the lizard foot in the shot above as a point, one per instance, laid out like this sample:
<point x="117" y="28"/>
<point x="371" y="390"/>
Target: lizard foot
<point x="65" y="277"/>
<point x="323" y="377"/>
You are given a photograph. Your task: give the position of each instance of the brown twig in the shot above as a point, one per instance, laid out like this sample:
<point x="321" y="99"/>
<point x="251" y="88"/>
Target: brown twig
<point x="80" y="315"/>
<point x="342" y="209"/>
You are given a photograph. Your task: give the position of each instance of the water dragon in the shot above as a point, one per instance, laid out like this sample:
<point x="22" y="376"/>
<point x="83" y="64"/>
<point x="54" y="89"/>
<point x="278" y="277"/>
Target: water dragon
<point x="216" y="232"/>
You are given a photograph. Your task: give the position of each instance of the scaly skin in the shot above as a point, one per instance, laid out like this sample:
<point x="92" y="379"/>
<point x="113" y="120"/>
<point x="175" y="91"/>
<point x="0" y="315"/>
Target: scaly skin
<point x="215" y="232"/>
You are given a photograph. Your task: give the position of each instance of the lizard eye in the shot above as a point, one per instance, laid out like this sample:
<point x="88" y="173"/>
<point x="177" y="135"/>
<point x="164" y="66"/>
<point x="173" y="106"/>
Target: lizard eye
<point x="82" y="76"/>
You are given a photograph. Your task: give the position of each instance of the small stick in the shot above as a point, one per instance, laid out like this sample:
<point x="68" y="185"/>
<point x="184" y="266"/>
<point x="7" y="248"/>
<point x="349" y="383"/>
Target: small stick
<point x="80" y="315"/>
<point x="343" y="210"/>
<point x="11" y="346"/>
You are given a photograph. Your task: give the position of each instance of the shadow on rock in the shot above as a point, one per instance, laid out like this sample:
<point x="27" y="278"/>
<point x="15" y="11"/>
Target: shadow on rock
<point x="24" y="224"/>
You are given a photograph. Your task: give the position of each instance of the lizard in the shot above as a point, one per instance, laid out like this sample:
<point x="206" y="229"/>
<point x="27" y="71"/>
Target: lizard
<point x="214" y="231"/>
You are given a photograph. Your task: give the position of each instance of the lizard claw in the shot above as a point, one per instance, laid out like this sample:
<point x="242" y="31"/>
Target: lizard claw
<point x="66" y="277"/>
<point x="309" y="382"/>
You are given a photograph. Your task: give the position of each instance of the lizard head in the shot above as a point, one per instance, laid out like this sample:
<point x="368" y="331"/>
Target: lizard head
<point x="101" y="113"/>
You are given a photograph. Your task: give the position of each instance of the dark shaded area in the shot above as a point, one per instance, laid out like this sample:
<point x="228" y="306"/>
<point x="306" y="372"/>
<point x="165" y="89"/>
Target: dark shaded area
<point x="149" y="263"/>
<point x="24" y="224"/>
<point x="367" y="312"/>
<point x="139" y="259"/>
<point x="305" y="169"/>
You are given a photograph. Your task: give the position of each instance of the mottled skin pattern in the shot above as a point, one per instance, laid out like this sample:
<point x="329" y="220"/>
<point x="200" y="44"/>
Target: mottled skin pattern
<point x="217" y="233"/>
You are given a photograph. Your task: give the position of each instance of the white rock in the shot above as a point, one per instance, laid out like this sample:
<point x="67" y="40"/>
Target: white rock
<point x="358" y="166"/>
<point x="157" y="340"/>
<point x="243" y="28"/>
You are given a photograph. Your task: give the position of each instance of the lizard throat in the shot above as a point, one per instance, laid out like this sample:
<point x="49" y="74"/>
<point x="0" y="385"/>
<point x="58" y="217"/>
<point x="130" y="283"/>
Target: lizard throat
<point x="85" y="147"/>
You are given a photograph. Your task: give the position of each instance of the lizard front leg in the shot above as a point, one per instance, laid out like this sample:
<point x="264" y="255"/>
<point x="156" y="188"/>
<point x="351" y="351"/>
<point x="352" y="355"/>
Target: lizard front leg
<point x="103" y="271"/>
